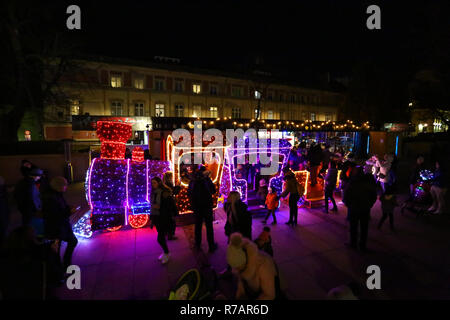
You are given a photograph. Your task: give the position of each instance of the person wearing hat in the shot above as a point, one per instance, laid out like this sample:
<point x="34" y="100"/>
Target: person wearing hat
<point x="27" y="195"/>
<point x="256" y="271"/>
<point x="291" y="188"/>
<point x="56" y="217"/>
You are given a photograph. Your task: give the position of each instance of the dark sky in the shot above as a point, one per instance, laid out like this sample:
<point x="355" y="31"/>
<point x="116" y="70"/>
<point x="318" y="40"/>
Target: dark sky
<point x="320" y="35"/>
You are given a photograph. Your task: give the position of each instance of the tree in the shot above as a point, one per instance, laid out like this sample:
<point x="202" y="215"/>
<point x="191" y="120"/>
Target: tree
<point x="37" y="54"/>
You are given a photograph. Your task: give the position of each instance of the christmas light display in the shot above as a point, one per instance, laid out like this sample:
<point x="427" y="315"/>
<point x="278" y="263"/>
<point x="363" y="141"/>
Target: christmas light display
<point x="282" y="151"/>
<point x="177" y="155"/>
<point x="113" y="136"/>
<point x="118" y="189"/>
<point x="83" y="226"/>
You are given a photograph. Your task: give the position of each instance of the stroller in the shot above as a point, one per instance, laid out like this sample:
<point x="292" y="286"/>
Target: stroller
<point x="420" y="198"/>
<point x="195" y="284"/>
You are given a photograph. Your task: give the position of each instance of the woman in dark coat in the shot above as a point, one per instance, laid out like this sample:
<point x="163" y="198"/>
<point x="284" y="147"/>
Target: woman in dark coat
<point x="56" y="217"/>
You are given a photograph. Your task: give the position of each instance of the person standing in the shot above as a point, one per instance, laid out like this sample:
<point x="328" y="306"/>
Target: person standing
<point x="388" y="204"/>
<point x="160" y="216"/>
<point x="27" y="195"/>
<point x="438" y="190"/>
<point x="330" y="185"/>
<point x="272" y="205"/>
<point x="56" y="214"/>
<point x="238" y="217"/>
<point x="384" y="176"/>
<point x="200" y="192"/>
<point x="291" y="188"/>
<point x="167" y="182"/>
<point x="359" y="197"/>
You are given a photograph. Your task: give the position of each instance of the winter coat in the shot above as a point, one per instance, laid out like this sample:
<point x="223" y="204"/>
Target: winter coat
<point x="291" y="185"/>
<point x="240" y="222"/>
<point x="272" y="201"/>
<point x="360" y="194"/>
<point x="28" y="197"/>
<point x="385" y="167"/>
<point x="56" y="214"/>
<point x="162" y="197"/>
<point x="257" y="280"/>
<point x="200" y="193"/>
<point x="331" y="179"/>
<point x="388" y="202"/>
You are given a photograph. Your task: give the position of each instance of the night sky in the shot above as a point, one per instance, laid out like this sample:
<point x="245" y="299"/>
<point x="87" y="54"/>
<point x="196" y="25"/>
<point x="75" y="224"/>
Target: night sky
<point x="322" y="35"/>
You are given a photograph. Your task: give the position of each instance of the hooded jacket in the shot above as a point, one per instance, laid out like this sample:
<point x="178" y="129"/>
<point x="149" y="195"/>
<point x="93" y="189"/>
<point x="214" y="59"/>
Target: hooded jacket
<point x="258" y="276"/>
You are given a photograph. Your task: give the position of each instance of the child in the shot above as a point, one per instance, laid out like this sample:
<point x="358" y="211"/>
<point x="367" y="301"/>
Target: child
<point x="272" y="205"/>
<point x="264" y="241"/>
<point x="388" y="204"/>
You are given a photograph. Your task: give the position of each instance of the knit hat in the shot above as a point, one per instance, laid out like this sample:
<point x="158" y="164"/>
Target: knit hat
<point x="236" y="256"/>
<point x="58" y="184"/>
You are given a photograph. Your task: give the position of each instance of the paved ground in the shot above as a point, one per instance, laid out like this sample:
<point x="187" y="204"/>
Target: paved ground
<point x="312" y="258"/>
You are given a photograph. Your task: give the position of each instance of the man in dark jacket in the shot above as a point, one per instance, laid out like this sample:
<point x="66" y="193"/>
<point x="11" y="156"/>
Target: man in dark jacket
<point x="27" y="195"/>
<point x="56" y="217"/>
<point x="291" y="188"/>
<point x="200" y="192"/>
<point x="359" y="197"/>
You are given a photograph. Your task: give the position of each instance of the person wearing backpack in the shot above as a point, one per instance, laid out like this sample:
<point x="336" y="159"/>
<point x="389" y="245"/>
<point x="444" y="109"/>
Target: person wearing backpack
<point x="200" y="192"/>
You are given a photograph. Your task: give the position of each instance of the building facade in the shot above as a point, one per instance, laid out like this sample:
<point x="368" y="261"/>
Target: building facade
<point x="140" y="92"/>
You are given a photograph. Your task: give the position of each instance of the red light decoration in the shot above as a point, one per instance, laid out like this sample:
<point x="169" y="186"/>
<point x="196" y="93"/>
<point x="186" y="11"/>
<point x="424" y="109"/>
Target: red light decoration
<point x="137" y="221"/>
<point x="138" y="154"/>
<point x="113" y="136"/>
<point x="114" y="228"/>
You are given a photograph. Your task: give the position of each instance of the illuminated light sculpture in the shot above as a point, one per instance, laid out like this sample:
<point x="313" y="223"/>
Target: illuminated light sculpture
<point x="177" y="156"/>
<point x="275" y="181"/>
<point x="118" y="189"/>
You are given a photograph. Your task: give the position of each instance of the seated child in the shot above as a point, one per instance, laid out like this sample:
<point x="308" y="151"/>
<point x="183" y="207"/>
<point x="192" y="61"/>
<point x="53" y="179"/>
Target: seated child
<point x="264" y="241"/>
<point x="272" y="205"/>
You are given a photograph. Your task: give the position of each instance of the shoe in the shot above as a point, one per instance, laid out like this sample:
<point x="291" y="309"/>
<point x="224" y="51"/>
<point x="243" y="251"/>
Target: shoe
<point x="294" y="224"/>
<point x="334" y="209"/>
<point x="165" y="258"/>
<point x="161" y="256"/>
<point x="213" y="248"/>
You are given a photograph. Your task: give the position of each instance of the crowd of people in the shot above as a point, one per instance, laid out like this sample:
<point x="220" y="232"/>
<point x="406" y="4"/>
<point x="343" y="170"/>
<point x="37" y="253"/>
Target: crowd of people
<point x="45" y="215"/>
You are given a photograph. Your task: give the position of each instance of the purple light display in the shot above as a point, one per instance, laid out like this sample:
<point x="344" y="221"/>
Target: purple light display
<point x="244" y="149"/>
<point x="116" y="188"/>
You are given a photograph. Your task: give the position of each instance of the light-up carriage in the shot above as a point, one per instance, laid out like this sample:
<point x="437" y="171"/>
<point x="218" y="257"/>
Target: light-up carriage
<point x="118" y="189"/>
<point x="184" y="158"/>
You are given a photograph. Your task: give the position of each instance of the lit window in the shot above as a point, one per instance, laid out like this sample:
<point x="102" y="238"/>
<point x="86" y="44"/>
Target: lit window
<point x="236" y="113"/>
<point x="75" y="108"/>
<point x="139" y="109"/>
<point x="328" y="117"/>
<point x="270" y="114"/>
<point x="159" y="110"/>
<point x="313" y="116"/>
<point x="304" y="115"/>
<point x="213" y="112"/>
<point x="178" y="86"/>
<point x="139" y="83"/>
<point x="159" y="85"/>
<point x="196" y="88"/>
<point x="116" y="108"/>
<point x="257" y="94"/>
<point x="179" y="110"/>
<point x="116" y="80"/>
<point x="197" y="111"/>
<point x="213" y="90"/>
